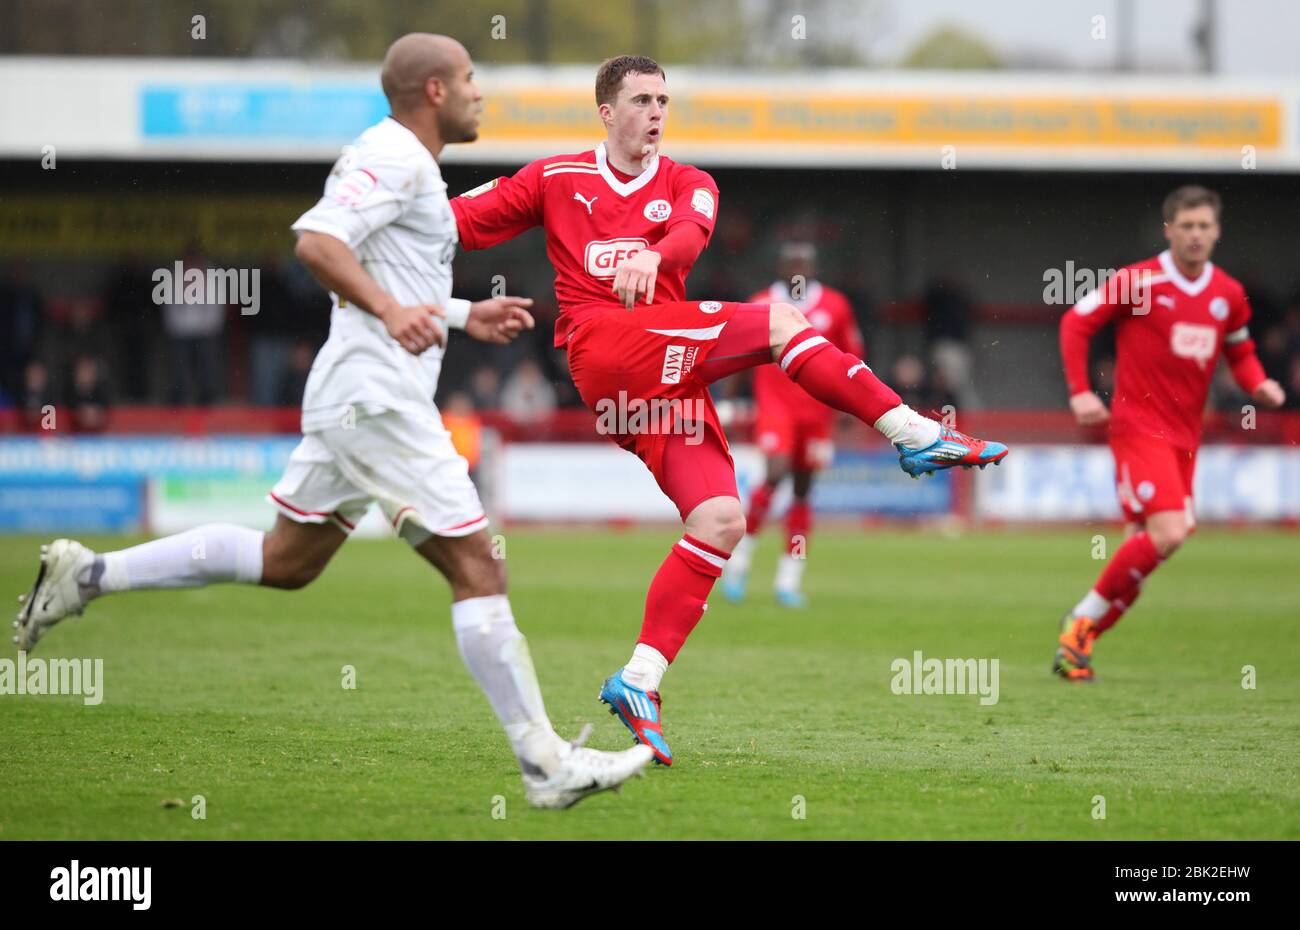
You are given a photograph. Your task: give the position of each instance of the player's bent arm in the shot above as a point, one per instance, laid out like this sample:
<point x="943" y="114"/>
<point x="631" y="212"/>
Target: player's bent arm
<point x="334" y="265"/>
<point x="1248" y="371"/>
<point x="679" y="247"/>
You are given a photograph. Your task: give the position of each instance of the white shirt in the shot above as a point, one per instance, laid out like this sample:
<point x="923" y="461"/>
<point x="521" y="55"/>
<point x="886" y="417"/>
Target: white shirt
<point x="386" y="199"/>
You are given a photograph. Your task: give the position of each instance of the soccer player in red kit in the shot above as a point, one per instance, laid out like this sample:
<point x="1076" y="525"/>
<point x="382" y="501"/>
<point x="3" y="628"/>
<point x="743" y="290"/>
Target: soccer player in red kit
<point x="624" y="225"/>
<point x="1173" y="315"/>
<point x="793" y="429"/>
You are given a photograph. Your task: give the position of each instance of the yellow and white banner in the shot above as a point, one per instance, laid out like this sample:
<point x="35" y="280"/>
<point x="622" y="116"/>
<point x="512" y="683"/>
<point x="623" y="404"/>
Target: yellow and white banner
<point x="271" y="111"/>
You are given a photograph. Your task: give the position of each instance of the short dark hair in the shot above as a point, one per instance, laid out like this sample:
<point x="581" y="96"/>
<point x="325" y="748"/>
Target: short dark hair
<point x="1188" y="196"/>
<point x="610" y="76"/>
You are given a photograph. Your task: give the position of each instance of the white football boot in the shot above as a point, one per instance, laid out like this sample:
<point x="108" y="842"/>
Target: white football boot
<point x="584" y="772"/>
<point x="55" y="594"/>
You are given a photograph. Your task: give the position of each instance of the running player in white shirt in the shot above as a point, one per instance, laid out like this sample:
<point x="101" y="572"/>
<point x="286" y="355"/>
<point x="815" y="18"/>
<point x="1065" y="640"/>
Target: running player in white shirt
<point x="382" y="241"/>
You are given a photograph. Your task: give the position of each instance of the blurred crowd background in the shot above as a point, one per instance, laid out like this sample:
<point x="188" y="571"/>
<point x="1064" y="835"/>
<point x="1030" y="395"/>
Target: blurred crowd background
<point x="113" y="345"/>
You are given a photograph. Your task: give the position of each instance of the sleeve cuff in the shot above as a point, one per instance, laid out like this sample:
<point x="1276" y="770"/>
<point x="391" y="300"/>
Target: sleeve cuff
<point x="319" y="226"/>
<point x="456" y="313"/>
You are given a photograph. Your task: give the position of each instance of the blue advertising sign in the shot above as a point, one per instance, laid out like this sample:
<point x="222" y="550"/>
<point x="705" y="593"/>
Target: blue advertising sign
<point x="264" y="112"/>
<point x="67" y="505"/>
<point x="98" y="483"/>
<point x="858" y="483"/>
<point x="92" y="458"/>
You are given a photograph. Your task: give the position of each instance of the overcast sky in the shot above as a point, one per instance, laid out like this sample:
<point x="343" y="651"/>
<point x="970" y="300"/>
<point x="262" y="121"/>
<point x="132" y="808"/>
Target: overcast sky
<point x="1256" y="37"/>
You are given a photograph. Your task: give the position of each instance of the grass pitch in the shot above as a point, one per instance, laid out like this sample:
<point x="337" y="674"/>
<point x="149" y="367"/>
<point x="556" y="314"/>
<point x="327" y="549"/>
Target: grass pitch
<point x="236" y="694"/>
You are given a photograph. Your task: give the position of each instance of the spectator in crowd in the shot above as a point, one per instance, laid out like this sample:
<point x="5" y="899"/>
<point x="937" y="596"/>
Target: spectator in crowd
<point x="133" y="326"/>
<point x="1292" y="384"/>
<point x="88" y="395"/>
<point x="947" y="338"/>
<point x="1281" y="343"/>
<point x="81" y="330"/>
<point x="527" y="396"/>
<point x="485" y="388"/>
<point x="557" y="373"/>
<point x="293" y="379"/>
<point x="275" y="334"/>
<point x="38" y="397"/>
<point x="22" y="315"/>
<point x="554" y="362"/>
<point x="918" y="389"/>
<point x="463" y="423"/>
<point x="194" y="332"/>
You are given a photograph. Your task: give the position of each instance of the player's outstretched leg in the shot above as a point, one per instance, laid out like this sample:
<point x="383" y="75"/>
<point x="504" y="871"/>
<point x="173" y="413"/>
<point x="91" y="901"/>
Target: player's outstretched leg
<point x="844" y="382"/>
<point x="70" y="575"/>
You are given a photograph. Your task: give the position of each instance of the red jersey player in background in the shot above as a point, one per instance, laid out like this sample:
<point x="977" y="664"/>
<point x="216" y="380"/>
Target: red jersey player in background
<point x="624" y="225"/>
<point x="793" y="430"/>
<point x="1173" y="314"/>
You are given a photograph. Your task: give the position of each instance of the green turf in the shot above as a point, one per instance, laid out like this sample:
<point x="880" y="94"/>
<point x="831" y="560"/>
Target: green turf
<point x="235" y="694"/>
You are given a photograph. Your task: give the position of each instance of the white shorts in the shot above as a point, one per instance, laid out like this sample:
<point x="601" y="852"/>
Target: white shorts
<point x="404" y="462"/>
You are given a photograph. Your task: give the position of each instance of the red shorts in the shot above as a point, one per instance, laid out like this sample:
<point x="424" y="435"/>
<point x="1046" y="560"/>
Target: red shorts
<point x="1152" y="476"/>
<point x="806" y="440"/>
<point x="645" y="374"/>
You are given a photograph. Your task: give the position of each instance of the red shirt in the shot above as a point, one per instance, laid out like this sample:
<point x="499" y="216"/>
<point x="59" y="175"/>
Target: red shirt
<point x="595" y="219"/>
<point x="1168" y="337"/>
<point x="831" y="313"/>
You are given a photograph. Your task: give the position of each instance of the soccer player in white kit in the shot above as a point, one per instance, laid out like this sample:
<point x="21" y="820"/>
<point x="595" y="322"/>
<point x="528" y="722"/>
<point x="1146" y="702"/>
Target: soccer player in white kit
<point x="381" y="239"/>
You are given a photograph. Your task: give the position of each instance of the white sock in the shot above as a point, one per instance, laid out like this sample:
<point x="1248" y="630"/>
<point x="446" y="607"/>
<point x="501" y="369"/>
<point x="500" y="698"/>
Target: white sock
<point x="209" y="554"/>
<point x="645" y="670"/>
<point x="905" y="426"/>
<point x="789" y="573"/>
<point x="1093" y="606"/>
<point x="741" y="557"/>
<point x="496" y="654"/>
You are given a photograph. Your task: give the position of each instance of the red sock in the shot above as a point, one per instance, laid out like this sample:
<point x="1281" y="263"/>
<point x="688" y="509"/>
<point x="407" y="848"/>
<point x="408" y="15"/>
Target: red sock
<point x="679" y="593"/>
<point x="821" y="369"/>
<point x="1127" y="568"/>
<point x="1118" y="608"/>
<point x="798" y="521"/>
<point x="758" y="505"/>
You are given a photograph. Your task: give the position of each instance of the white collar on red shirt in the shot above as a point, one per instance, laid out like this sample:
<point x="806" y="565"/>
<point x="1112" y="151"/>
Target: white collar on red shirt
<point x="1187" y="286"/>
<point x="623" y="188"/>
<point x="812" y="294"/>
